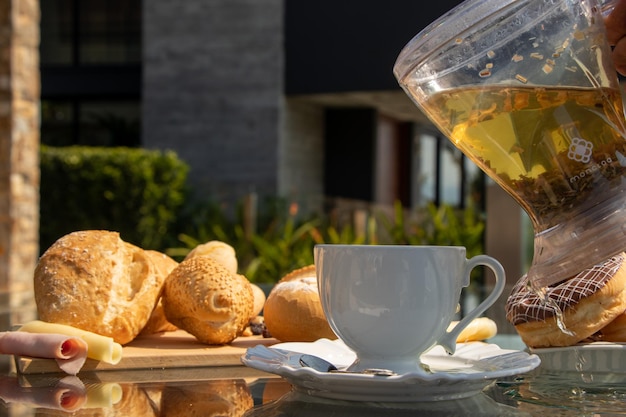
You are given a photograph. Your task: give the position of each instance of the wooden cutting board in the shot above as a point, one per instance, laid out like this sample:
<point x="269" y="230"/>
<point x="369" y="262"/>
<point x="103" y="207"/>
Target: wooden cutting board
<point x="162" y="351"/>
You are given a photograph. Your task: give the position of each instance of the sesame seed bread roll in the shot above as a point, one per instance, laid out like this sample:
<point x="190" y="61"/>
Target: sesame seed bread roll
<point x="94" y="281"/>
<point x="205" y="299"/>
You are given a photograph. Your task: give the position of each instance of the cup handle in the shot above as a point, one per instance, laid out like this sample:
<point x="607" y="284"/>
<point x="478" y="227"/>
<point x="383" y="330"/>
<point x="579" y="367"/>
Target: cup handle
<point x="448" y="341"/>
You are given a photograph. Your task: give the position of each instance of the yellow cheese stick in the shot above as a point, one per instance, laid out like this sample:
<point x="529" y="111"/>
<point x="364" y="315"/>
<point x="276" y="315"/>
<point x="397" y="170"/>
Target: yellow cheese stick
<point x="480" y="328"/>
<point x="101" y="348"/>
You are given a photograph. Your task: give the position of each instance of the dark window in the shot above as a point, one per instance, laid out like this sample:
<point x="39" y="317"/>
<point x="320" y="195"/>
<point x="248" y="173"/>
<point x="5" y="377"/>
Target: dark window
<point x="93" y="123"/>
<point x="57" y="32"/>
<point x="90" y="32"/>
<point x="350" y="145"/>
<point x="443" y="175"/>
<point x="109" y="32"/>
<point x="91" y="72"/>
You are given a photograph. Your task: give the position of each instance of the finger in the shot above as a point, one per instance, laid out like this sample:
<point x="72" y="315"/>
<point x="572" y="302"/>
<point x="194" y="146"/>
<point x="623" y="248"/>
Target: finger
<point x="619" y="56"/>
<point x="616" y="23"/>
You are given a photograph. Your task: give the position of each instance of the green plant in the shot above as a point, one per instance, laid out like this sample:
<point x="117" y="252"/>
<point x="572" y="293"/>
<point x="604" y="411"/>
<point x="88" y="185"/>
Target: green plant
<point x="134" y="191"/>
<point x="443" y="225"/>
<point x="280" y="249"/>
<point x="285" y="242"/>
<point x="281" y="244"/>
<point x="346" y="234"/>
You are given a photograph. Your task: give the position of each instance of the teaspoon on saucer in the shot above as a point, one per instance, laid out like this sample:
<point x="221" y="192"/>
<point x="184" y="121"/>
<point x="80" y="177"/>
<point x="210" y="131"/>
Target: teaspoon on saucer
<point x="322" y="365"/>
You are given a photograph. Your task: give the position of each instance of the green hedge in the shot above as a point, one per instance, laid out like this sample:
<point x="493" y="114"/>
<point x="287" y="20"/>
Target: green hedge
<point x="136" y="192"/>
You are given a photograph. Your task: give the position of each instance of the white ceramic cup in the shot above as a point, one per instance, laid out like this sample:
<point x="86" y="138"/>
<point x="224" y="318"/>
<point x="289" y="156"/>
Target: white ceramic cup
<point x="391" y="303"/>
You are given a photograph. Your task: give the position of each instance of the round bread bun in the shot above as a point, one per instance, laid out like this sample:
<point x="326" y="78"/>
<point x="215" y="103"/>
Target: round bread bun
<point x="588" y="302"/>
<point x="203" y="298"/>
<point x="259" y="300"/>
<point x="95" y="281"/>
<point x="481" y="328"/>
<point x="293" y="311"/>
<point x="226" y="397"/>
<point x="218" y="251"/>
<point x="157" y="323"/>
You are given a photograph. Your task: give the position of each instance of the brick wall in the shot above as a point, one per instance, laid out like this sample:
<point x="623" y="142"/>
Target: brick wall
<point x="19" y="158"/>
<point x="301" y="173"/>
<point x="212" y="88"/>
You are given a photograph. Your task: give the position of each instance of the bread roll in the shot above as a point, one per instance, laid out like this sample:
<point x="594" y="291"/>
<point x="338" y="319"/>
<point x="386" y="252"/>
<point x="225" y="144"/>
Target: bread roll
<point x="259" y="300"/>
<point x="94" y="281"/>
<point x="218" y="251"/>
<point x="202" y="297"/>
<point x="293" y="310"/>
<point x="481" y="328"/>
<point x="157" y="323"/>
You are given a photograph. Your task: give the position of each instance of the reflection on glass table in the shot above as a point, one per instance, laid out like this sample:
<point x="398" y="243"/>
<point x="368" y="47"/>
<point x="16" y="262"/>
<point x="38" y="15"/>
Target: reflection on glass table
<point x="195" y="392"/>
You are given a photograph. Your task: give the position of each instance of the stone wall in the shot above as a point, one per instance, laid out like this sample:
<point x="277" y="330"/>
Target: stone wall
<point x="212" y="89"/>
<point x="301" y="155"/>
<point x="19" y="158"/>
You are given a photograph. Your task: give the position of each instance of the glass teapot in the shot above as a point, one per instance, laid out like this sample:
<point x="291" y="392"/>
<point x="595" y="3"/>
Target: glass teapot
<point x="527" y="90"/>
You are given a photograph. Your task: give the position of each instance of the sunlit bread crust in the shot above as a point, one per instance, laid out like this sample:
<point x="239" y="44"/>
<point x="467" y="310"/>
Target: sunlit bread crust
<point x="581" y="318"/>
<point x="202" y="297"/>
<point x="218" y="251"/>
<point x="259" y="300"/>
<point x="481" y="328"/>
<point x="157" y="323"/>
<point x="94" y="281"/>
<point x="228" y="397"/>
<point x="293" y="311"/>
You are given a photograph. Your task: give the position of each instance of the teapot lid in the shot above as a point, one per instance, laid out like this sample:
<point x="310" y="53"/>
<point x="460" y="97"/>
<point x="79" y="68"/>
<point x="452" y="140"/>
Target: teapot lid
<point x="449" y="30"/>
<point x="472" y="19"/>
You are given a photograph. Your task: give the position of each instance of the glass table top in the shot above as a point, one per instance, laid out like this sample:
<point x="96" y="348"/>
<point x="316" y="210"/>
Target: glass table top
<point x="240" y="391"/>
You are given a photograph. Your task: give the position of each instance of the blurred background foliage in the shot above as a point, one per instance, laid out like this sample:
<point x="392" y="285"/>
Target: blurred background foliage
<point x="141" y="194"/>
<point x="285" y="241"/>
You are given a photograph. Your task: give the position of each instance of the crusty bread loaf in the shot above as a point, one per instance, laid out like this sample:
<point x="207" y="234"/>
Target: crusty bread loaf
<point x="95" y="281"/>
<point x="218" y="251"/>
<point x="158" y="323"/>
<point x="204" y="298"/>
<point x="293" y="310"/>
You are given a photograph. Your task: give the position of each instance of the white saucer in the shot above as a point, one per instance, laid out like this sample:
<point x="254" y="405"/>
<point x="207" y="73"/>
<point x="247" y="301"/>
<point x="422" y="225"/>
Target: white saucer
<point x="474" y="366"/>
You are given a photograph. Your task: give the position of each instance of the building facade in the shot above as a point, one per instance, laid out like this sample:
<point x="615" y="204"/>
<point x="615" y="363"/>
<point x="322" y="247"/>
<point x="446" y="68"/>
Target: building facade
<point x="295" y="99"/>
